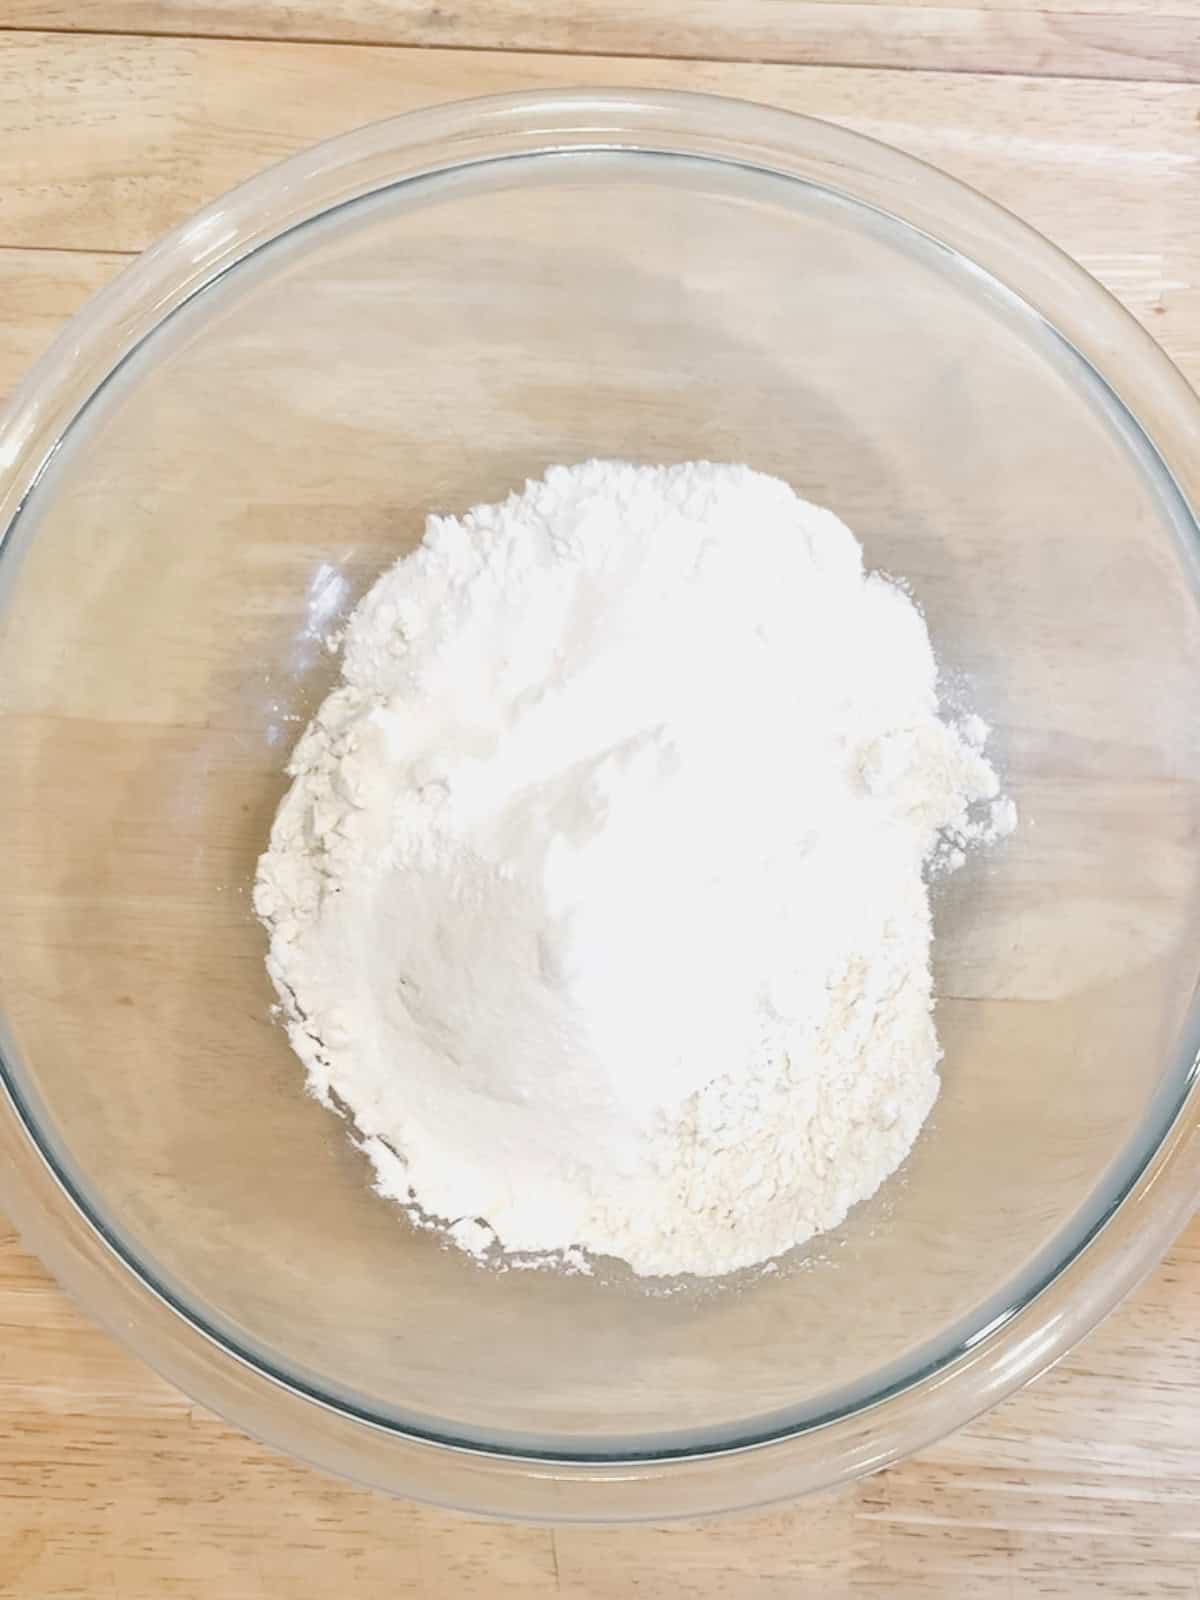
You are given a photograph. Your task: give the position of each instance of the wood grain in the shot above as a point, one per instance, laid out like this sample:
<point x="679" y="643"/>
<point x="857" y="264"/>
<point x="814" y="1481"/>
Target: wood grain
<point x="114" y="1484"/>
<point x="39" y="290"/>
<point x="126" y="136"/>
<point x="1132" y="39"/>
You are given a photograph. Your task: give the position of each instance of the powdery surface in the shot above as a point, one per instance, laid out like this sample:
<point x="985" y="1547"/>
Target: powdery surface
<point x="597" y="899"/>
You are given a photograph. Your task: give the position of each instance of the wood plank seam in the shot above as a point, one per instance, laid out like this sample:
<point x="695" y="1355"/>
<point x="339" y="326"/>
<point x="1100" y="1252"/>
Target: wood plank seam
<point x="1174" y="66"/>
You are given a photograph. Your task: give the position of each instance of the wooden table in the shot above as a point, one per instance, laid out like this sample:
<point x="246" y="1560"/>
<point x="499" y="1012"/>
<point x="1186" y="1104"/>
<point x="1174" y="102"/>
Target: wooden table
<point x="119" y="117"/>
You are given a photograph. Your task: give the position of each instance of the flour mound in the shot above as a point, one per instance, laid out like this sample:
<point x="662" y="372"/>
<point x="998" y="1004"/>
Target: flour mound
<point x="597" y="900"/>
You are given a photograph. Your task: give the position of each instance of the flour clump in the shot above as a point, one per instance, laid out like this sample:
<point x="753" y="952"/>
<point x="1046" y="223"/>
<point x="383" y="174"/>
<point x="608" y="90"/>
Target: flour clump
<point x="598" y="899"/>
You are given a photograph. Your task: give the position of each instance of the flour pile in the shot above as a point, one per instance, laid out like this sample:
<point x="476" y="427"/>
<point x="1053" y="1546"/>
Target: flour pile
<point x="597" y="900"/>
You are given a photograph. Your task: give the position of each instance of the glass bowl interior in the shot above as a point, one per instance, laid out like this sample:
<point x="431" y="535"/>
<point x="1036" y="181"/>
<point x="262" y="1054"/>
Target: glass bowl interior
<point x="237" y="482"/>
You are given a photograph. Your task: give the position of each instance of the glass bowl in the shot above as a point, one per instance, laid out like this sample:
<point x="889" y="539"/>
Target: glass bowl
<point x="220" y="454"/>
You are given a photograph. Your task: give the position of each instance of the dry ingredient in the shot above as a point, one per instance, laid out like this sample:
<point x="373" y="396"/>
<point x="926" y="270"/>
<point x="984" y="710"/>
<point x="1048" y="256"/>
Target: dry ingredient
<point x="597" y="901"/>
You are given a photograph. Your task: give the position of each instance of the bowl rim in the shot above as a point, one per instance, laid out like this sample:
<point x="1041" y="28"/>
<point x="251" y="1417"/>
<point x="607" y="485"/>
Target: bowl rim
<point x="1131" y="1227"/>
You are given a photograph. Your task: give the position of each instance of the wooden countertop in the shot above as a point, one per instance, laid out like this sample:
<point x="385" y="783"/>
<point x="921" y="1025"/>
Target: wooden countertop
<point x="117" y="119"/>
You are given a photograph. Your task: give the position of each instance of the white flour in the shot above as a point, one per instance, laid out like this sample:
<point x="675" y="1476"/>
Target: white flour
<point x="597" y="899"/>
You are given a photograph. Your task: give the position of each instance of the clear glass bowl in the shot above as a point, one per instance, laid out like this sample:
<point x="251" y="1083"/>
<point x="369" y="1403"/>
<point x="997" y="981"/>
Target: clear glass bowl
<point x="228" y="445"/>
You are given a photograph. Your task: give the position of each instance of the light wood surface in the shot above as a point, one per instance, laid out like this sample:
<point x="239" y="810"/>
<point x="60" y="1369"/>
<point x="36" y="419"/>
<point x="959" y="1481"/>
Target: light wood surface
<point x="1126" y="39"/>
<point x="112" y="1483"/>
